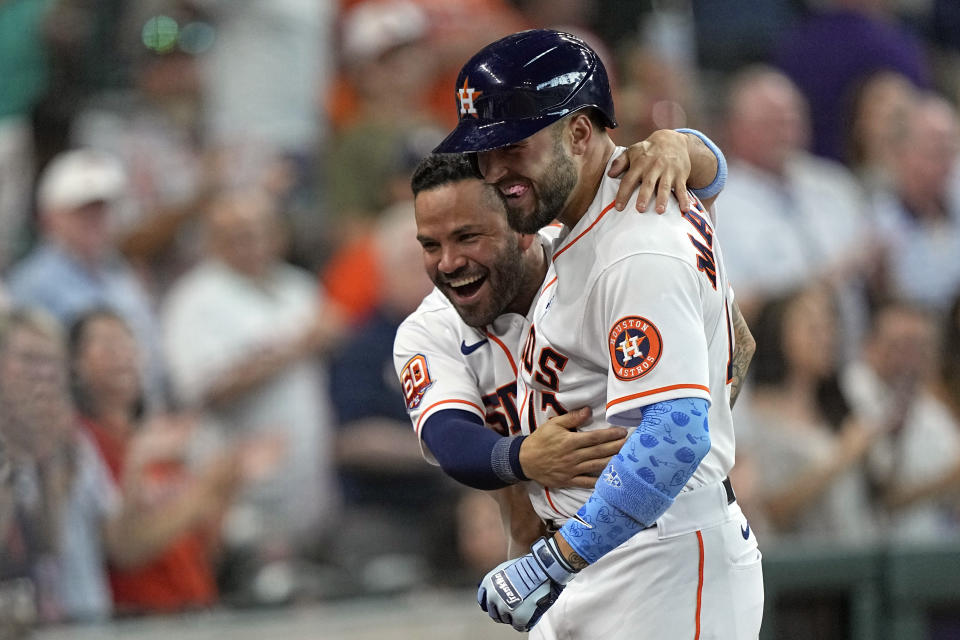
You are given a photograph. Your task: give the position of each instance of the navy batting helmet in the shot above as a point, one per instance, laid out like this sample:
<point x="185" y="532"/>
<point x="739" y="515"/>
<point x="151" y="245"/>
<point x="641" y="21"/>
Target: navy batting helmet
<point x="518" y="85"/>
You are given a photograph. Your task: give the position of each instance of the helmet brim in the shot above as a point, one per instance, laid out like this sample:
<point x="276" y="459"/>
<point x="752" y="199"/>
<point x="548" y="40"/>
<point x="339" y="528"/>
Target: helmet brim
<point x="473" y="135"/>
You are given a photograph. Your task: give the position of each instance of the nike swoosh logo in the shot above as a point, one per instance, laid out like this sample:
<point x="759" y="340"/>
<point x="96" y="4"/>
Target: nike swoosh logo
<point x="582" y="521"/>
<point x="466" y="349"/>
<point x="745" y="532"/>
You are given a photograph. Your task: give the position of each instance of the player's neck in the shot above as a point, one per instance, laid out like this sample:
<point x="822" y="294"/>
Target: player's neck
<point x="594" y="165"/>
<point x="534" y="271"/>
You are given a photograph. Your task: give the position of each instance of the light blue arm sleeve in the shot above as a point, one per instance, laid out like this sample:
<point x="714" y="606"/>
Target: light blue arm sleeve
<point x="720" y="180"/>
<point x="641" y="482"/>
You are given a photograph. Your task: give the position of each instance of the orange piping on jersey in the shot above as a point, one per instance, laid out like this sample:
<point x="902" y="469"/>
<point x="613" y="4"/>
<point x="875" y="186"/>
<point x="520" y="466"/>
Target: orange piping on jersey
<point x="513" y="365"/>
<point x="699" y="584"/>
<point x="523" y="405"/>
<point x="658" y="390"/>
<point x="584" y="232"/>
<point x="548" y="285"/>
<point x="552" y="506"/>
<point x="453" y="400"/>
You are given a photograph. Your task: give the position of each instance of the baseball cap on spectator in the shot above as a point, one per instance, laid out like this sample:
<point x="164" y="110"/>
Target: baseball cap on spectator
<point x="79" y="177"/>
<point x="374" y="27"/>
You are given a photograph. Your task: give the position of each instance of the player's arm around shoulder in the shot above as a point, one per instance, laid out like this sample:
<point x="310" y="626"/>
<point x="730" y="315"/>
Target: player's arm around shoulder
<point x="668" y="163"/>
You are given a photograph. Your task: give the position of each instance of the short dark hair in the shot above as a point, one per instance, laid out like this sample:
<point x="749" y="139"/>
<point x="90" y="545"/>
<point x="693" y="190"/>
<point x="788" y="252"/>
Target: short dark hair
<point x="597" y="119"/>
<point x="438" y="169"/>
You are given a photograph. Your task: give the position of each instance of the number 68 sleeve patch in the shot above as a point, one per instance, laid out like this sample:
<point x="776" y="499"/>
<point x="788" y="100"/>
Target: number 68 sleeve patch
<point x="415" y="378"/>
<point x="635" y="347"/>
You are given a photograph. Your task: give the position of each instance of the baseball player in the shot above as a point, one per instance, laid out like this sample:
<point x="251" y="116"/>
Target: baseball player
<point x="455" y="355"/>
<point x="633" y="321"/>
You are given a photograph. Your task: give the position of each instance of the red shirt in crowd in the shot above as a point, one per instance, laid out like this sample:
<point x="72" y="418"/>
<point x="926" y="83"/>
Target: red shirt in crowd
<point x="181" y="576"/>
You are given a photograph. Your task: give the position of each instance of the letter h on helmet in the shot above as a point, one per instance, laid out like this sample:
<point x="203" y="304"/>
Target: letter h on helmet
<point x="520" y="84"/>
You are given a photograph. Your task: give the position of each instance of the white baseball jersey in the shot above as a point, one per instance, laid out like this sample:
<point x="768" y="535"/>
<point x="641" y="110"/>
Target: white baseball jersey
<point x="634" y="311"/>
<point x="443" y="363"/>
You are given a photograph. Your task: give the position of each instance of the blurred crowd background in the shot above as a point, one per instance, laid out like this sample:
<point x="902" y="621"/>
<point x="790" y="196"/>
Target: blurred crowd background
<point x="207" y="244"/>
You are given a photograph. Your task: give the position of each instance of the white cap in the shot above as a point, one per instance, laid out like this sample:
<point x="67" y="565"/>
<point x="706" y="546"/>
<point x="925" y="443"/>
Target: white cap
<point x="75" y="178"/>
<point x="373" y="27"/>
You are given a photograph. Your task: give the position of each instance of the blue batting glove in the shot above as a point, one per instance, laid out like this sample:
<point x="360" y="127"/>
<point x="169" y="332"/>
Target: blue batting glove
<point x="519" y="592"/>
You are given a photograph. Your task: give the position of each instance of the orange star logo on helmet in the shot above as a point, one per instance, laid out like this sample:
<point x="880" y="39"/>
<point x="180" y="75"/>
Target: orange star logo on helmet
<point x="466" y="96"/>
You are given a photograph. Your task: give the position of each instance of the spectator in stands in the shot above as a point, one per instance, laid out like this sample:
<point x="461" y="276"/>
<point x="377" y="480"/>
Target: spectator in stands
<point x="878" y="121"/>
<point x="70" y="520"/>
<point x="76" y="267"/>
<point x="798" y="430"/>
<point x="794" y="217"/>
<point x="920" y="448"/>
<point x="243" y="332"/>
<point x="388" y="63"/>
<point x="385" y="480"/>
<point x="457" y="29"/>
<point x="154" y="128"/>
<point x="35" y="426"/>
<point x="262" y="103"/>
<point x="354" y="275"/>
<point x="149" y="464"/>
<point x="943" y="489"/>
<point x="920" y="219"/>
<point x="262" y="99"/>
<point x="655" y="92"/>
<point x="834" y="49"/>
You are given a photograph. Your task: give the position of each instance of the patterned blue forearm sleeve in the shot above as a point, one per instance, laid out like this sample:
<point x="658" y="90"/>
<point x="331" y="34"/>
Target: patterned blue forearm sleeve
<point x="720" y="180"/>
<point x="640" y="483"/>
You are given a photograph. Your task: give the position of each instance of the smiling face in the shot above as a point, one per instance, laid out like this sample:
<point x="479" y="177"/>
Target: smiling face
<point x="84" y="231"/>
<point x="469" y="252"/>
<point x="533" y="177"/>
<point x="902" y="348"/>
<point x="768" y="120"/>
<point x="34" y="391"/>
<point x="106" y="362"/>
<point x="928" y="154"/>
<point x="245" y="232"/>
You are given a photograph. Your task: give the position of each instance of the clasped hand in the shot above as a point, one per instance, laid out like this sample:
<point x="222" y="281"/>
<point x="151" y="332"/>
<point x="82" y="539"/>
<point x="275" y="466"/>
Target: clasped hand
<point x="518" y="592"/>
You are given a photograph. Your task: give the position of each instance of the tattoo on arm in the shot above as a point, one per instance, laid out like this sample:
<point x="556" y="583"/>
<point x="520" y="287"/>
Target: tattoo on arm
<point x="576" y="561"/>
<point x="742" y="354"/>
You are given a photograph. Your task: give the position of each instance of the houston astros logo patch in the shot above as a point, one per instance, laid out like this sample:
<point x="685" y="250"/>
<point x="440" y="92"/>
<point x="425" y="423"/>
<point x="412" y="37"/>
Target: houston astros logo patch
<point x="466" y="95"/>
<point x="635" y="347"/>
